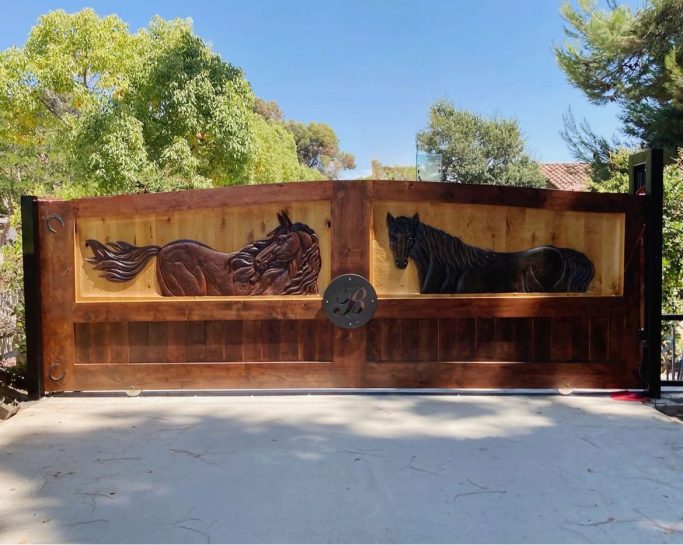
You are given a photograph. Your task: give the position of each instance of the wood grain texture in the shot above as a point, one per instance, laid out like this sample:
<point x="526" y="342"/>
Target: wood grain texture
<point x="599" y="235"/>
<point x="57" y="290"/>
<point x="128" y="339"/>
<point x="225" y="229"/>
<point x="350" y="255"/>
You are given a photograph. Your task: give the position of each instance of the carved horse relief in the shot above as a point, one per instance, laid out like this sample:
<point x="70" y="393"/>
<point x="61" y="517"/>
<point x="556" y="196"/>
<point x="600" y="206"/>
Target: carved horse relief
<point x="286" y="262"/>
<point x="445" y="264"/>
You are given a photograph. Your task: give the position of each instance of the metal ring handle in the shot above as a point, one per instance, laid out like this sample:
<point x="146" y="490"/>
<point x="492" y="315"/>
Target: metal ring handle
<point x="51" y="217"/>
<point x="54" y="377"/>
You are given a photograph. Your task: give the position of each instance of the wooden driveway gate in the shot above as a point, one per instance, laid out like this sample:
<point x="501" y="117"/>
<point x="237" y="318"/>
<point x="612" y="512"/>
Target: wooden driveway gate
<point x="99" y="333"/>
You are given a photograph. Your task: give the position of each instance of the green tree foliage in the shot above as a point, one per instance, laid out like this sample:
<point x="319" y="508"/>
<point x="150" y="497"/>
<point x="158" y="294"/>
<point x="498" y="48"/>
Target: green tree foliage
<point x="275" y="157"/>
<point x="672" y="257"/>
<point x="317" y="147"/>
<point x="268" y="110"/>
<point x="633" y="58"/>
<point x="478" y="150"/>
<point x="391" y="172"/>
<point x="87" y="107"/>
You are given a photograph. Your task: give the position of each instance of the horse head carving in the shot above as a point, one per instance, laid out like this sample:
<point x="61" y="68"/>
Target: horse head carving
<point x="285" y="262"/>
<point x="402" y="235"/>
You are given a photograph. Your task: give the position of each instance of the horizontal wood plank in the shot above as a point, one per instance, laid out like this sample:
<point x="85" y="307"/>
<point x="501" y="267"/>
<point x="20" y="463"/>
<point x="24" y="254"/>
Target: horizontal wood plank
<point x="191" y="309"/>
<point x="505" y="196"/>
<point x="521" y="306"/>
<point x="182" y="376"/>
<point x="128" y="205"/>
<point x="496" y="375"/>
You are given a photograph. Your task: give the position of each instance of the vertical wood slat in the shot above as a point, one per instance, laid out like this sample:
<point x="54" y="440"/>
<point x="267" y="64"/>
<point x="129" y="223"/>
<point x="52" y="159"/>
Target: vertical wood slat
<point x="561" y="339"/>
<point x="215" y="346"/>
<point x="504" y="339"/>
<point x="270" y="340"/>
<point x="138" y="339"/>
<point x="598" y="349"/>
<point x="579" y="339"/>
<point x="233" y="348"/>
<point x="100" y="343"/>
<point x="118" y="334"/>
<point x="523" y="328"/>
<point x="82" y="343"/>
<point x="288" y="349"/>
<point x="485" y="339"/>
<point x="540" y="336"/>
<point x="467" y="338"/>
<point x="155" y="350"/>
<point x="351" y="219"/>
<point x="176" y="342"/>
<point x="196" y="341"/>
<point x="251" y="340"/>
<point x="448" y="340"/>
<point x="57" y="288"/>
<point x="374" y="341"/>
<point x="428" y="340"/>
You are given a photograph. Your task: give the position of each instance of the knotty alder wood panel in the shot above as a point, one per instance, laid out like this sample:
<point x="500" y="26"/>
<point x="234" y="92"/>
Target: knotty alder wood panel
<point x="599" y="235"/>
<point x="226" y="229"/>
<point x="204" y="341"/>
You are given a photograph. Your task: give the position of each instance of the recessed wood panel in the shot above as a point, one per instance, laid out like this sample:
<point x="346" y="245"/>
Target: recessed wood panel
<point x="599" y="235"/>
<point x="225" y="229"/>
<point x="204" y="341"/>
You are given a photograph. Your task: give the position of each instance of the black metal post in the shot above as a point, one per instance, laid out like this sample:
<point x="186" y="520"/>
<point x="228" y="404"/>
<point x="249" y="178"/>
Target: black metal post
<point x="647" y="171"/>
<point x="32" y="299"/>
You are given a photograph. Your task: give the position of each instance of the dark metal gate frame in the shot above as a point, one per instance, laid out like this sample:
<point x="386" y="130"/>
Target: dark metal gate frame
<point x="646" y="177"/>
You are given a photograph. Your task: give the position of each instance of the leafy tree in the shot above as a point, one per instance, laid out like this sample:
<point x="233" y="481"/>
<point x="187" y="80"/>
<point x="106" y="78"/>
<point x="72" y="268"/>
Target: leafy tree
<point x="317" y="147"/>
<point x="632" y="58"/>
<point x="391" y="172"/>
<point x="275" y="158"/>
<point x="478" y="150"/>
<point x="672" y="257"/>
<point x="86" y="107"/>
<point x="268" y="110"/>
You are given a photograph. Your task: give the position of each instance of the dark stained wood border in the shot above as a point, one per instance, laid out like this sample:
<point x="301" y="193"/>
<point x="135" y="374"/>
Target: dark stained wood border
<point x="502" y="196"/>
<point x="351" y="255"/>
<point x="126" y="205"/>
<point x="169" y="310"/>
<point x="58" y="295"/>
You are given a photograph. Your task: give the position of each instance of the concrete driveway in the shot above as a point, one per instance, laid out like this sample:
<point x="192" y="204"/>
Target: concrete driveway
<point x="341" y="468"/>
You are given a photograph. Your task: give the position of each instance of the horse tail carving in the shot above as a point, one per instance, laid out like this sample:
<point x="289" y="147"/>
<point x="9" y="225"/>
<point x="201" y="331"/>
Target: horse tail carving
<point x="579" y="270"/>
<point x="120" y="261"/>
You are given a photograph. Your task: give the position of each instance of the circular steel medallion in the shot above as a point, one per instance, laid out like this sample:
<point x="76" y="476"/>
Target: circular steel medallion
<point x="350" y="301"/>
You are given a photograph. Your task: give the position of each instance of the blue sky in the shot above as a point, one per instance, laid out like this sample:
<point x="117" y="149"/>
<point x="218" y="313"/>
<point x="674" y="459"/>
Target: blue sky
<point x="371" y="68"/>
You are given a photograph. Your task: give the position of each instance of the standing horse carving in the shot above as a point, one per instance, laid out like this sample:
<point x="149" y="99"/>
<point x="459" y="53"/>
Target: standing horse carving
<point x="445" y="264"/>
<point x="286" y="262"/>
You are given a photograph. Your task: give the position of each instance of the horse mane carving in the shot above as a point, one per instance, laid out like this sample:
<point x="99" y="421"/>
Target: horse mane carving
<point x="286" y="262"/>
<point x="446" y="264"/>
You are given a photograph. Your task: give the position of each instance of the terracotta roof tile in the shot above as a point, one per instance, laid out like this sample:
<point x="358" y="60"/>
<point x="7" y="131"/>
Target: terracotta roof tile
<point x="567" y="176"/>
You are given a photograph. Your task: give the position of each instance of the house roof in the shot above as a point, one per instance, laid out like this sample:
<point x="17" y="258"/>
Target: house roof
<point x="567" y="176"/>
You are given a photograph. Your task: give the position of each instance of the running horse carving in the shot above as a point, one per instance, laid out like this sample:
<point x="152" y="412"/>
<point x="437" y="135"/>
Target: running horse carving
<point x="445" y="264"/>
<point x="286" y="262"/>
